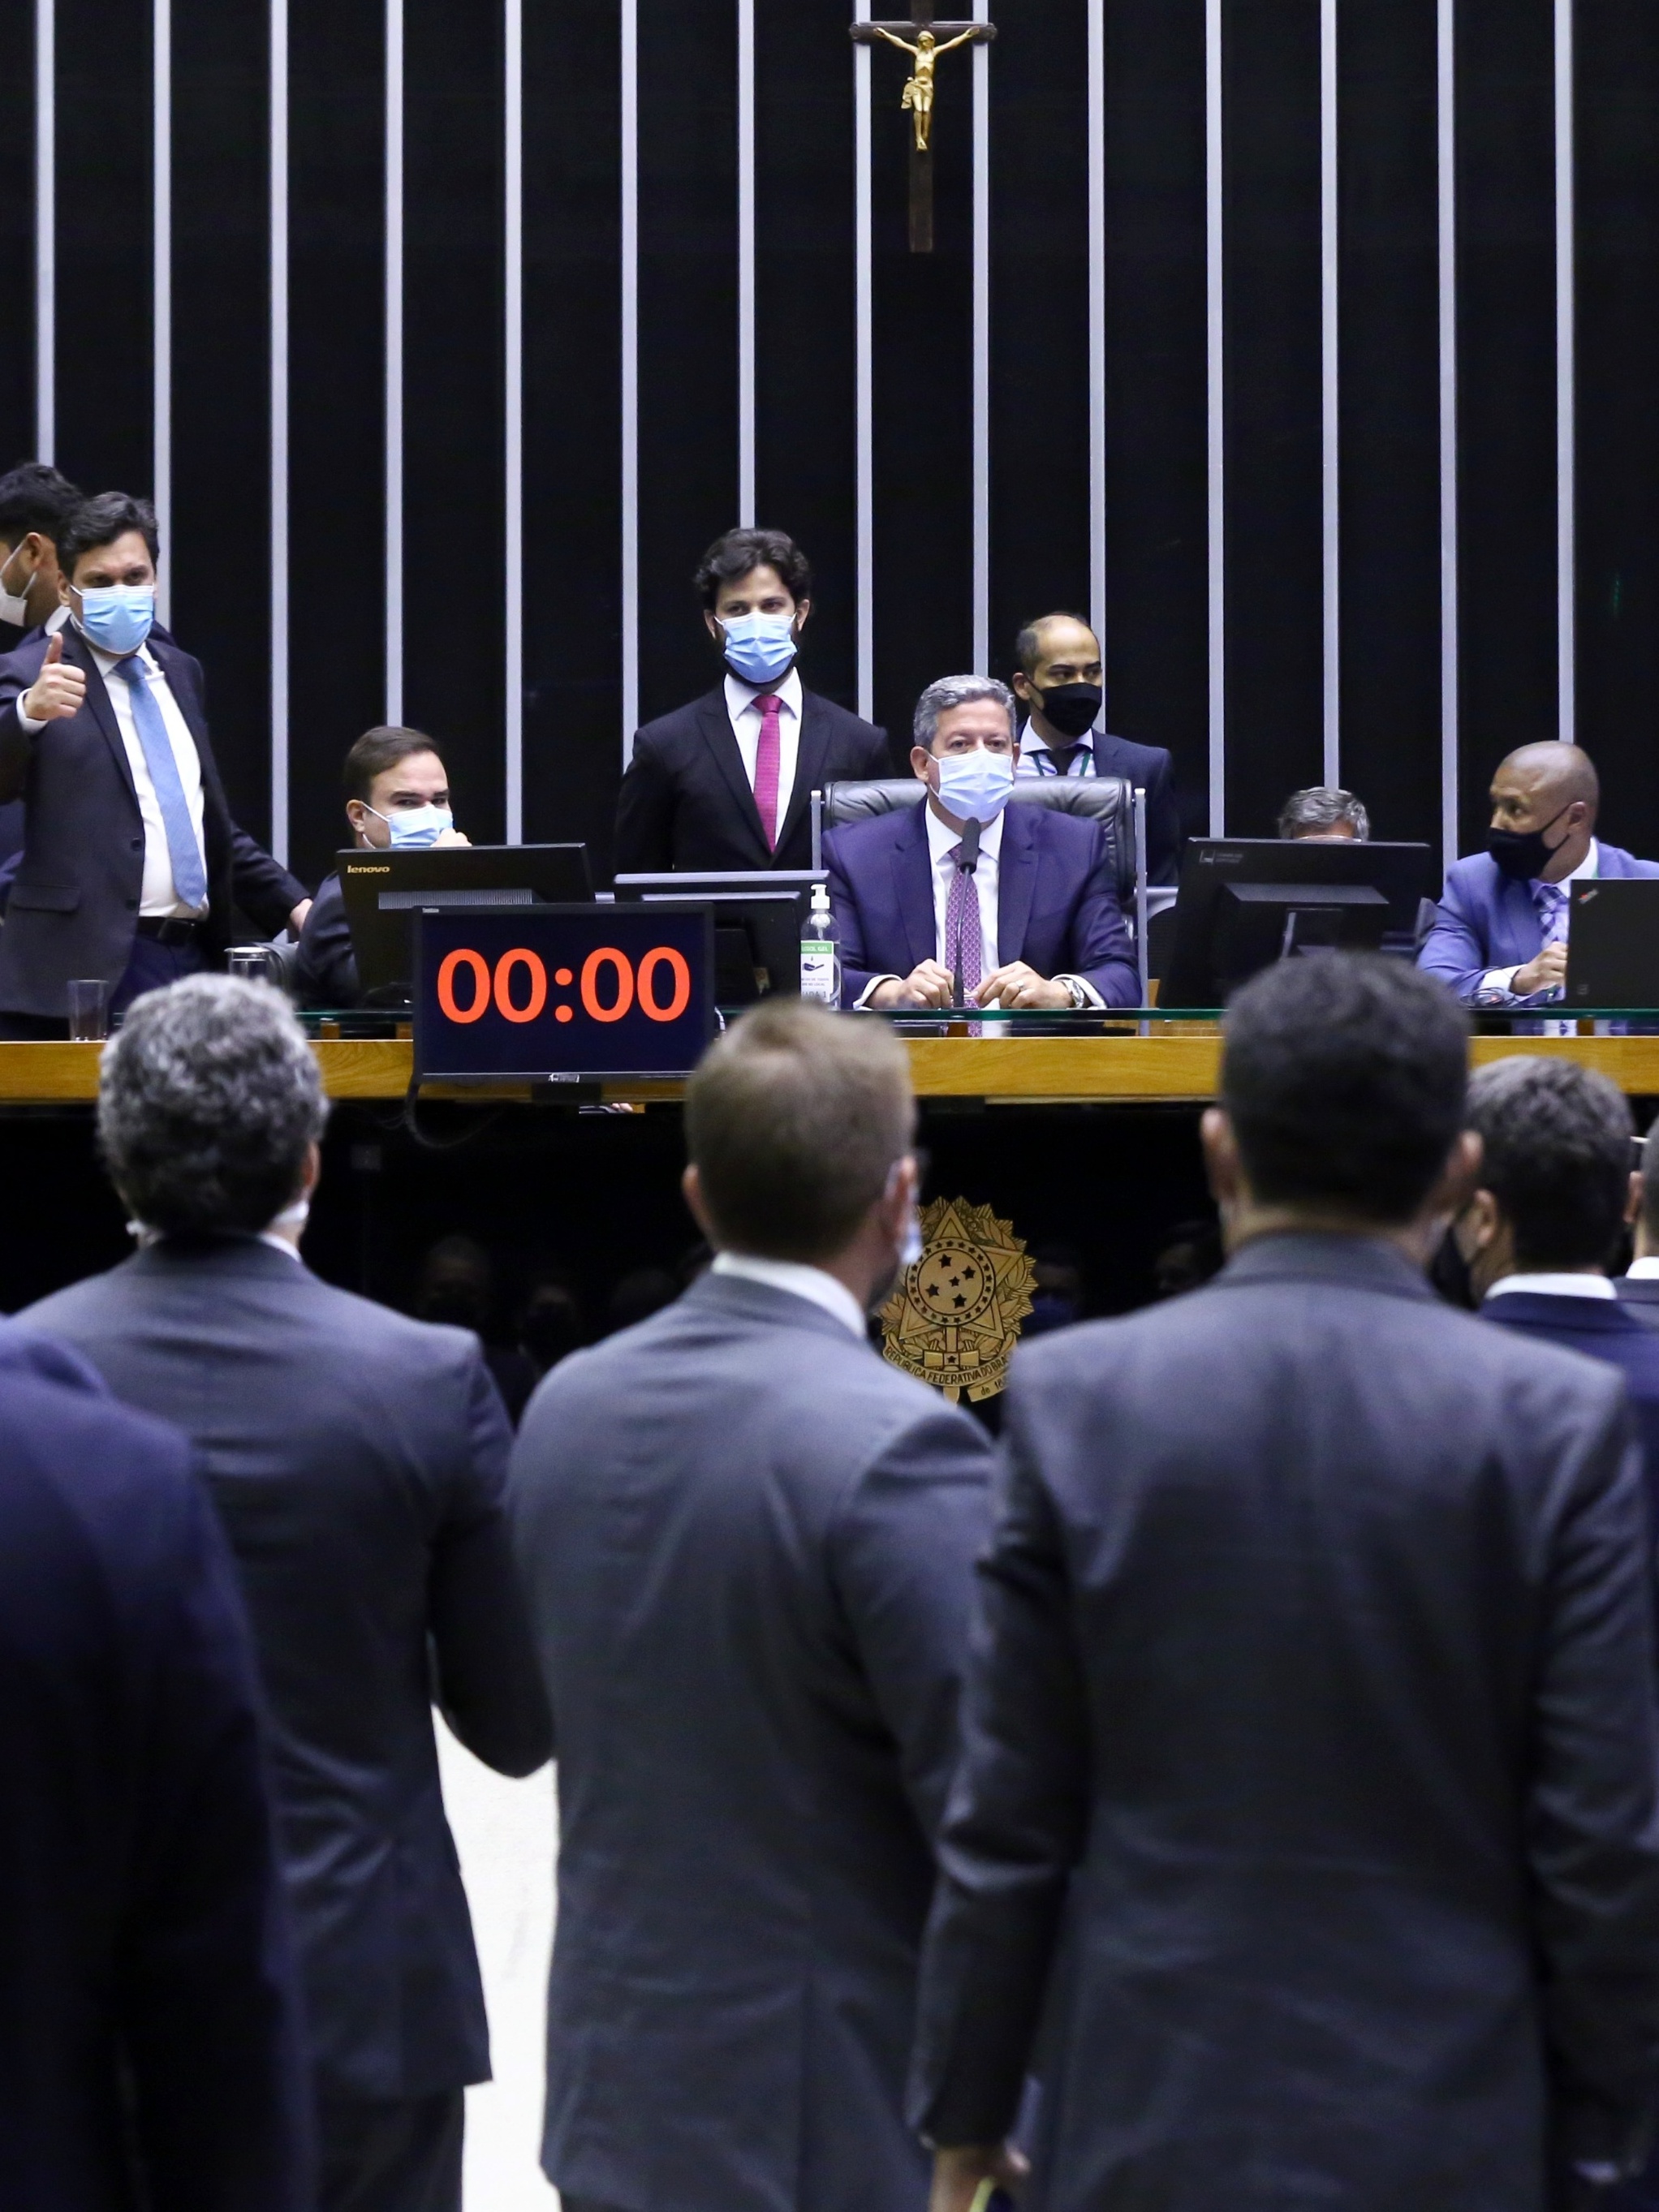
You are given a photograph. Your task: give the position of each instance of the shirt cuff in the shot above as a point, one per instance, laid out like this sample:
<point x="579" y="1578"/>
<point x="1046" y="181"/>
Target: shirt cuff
<point x="1091" y="996"/>
<point x="27" y="725"/>
<point x="1497" y="985"/>
<point x="874" y="984"/>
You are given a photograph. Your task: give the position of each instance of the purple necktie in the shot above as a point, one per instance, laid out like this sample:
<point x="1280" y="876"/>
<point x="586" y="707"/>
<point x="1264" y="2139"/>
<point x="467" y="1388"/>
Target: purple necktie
<point x="963" y="948"/>
<point x="767" y="754"/>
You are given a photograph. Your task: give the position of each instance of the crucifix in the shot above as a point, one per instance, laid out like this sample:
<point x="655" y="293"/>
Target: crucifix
<point x="928" y="39"/>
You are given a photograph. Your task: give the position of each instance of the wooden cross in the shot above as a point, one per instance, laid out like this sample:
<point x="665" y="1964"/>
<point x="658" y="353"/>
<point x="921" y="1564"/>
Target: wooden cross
<point x="926" y="41"/>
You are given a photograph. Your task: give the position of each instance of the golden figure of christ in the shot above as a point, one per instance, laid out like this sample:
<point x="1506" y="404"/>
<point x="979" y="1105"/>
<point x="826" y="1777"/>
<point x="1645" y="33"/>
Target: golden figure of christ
<point x="918" y="93"/>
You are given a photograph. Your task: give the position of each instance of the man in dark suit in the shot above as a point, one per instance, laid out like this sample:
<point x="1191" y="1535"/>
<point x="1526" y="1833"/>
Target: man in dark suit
<point x="749" y="1543"/>
<point x="727" y="782"/>
<point x="149" y="2030"/>
<point x="36" y="502"/>
<point x="132" y="867"/>
<point x="1060" y="682"/>
<point x="1022" y="905"/>
<point x="358" y="1462"/>
<point x="1537" y="1236"/>
<point x="1640" y="1288"/>
<point x="1308" y="1820"/>
<point x="1501" y="937"/>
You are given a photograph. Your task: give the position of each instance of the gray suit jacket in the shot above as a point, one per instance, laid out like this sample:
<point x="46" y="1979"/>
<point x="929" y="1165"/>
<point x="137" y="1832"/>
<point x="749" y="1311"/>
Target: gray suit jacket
<point x="749" y="1546"/>
<point x="1310" y="1772"/>
<point x="358" y="1462"/>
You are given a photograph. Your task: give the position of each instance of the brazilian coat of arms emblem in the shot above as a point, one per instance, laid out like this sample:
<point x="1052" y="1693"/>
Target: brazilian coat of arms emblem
<point x="954" y="1319"/>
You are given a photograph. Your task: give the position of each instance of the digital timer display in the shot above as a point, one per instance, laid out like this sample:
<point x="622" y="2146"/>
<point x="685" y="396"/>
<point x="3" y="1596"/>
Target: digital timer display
<point x="563" y="991"/>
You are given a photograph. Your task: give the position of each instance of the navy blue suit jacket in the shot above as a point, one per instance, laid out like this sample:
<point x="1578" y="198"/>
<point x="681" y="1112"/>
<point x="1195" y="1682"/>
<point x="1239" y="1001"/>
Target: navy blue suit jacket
<point x="749" y="1545"/>
<point x="1487" y="920"/>
<point x="325" y="972"/>
<point x="146" y="1961"/>
<point x="1150" y="768"/>
<point x="1057" y="907"/>
<point x="74" y="902"/>
<point x="1601" y="1328"/>
<point x="1309" y="1796"/>
<point x="358" y="1461"/>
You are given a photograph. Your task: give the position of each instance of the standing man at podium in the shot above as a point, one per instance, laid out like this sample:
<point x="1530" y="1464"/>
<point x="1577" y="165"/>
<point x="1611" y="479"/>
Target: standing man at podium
<point x="726" y="782"/>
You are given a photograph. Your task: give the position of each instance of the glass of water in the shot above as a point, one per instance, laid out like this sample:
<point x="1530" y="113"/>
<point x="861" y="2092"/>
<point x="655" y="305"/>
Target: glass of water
<point x="252" y="962"/>
<point x="88" y="1009"/>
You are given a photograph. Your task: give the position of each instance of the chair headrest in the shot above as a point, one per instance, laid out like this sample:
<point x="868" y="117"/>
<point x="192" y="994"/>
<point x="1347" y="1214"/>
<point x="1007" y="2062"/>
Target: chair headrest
<point x="857" y="799"/>
<point x="1096" y="797"/>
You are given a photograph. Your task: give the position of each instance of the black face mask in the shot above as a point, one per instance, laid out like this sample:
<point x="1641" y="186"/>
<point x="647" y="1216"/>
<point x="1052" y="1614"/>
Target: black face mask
<point x="1070" y="708"/>
<point x="1522" y="854"/>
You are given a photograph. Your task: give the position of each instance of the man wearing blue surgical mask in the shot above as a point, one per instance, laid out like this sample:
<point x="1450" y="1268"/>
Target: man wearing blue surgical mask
<point x="397" y="796"/>
<point x="965" y="900"/>
<point x="132" y="870"/>
<point x="727" y="782"/>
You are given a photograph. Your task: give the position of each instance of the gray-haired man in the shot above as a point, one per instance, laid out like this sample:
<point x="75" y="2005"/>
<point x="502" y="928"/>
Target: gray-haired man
<point x="1019" y="904"/>
<point x="358" y="1462"/>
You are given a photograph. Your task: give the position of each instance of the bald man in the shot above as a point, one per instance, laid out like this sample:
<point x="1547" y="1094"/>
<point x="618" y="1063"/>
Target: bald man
<point x="1501" y="937"/>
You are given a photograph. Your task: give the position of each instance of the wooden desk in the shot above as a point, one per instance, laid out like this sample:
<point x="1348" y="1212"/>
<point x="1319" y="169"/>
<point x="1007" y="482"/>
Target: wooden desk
<point x="1171" y="1065"/>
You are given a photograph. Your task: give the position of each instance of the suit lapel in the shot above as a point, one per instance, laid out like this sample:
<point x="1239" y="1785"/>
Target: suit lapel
<point x="1017" y="874"/>
<point x="715" y="726"/>
<point x="810" y="755"/>
<point x="77" y="651"/>
<point x="913" y="886"/>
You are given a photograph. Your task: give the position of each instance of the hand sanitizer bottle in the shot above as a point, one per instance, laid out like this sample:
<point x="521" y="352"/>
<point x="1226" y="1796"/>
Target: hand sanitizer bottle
<point x="820" y="951"/>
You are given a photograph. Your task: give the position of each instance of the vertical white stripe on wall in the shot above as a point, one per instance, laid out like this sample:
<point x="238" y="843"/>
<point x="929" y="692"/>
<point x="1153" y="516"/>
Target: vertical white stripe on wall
<point x="982" y="462"/>
<point x="279" y="605"/>
<point x="1566" y="386"/>
<point x="1096" y="66"/>
<point x="512" y="413"/>
<point x="1215" y="363"/>
<point x="394" y="361"/>
<point x="1330" y="399"/>
<point x="1446" y="137"/>
<point x="161" y="296"/>
<point x="864" y="406"/>
<point x="631" y="375"/>
<point x="747" y="265"/>
<point x="46" y="230"/>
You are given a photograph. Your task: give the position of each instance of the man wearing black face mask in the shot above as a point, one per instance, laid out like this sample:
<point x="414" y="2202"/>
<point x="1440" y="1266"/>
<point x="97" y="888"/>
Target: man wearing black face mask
<point x="1500" y="940"/>
<point x="1059" y="681"/>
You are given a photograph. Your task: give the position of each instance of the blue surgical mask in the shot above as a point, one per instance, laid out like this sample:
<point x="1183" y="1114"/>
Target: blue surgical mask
<point x="975" y="787"/>
<point x="415" y="825"/>
<point x="116" y="617"/>
<point x="760" y="647"/>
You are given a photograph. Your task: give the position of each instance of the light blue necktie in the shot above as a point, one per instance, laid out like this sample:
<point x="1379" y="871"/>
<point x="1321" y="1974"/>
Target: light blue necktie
<point x="189" y="874"/>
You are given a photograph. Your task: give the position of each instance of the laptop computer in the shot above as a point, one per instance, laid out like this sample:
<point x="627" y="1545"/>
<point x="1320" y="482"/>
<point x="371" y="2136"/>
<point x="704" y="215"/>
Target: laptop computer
<point x="1612" y="942"/>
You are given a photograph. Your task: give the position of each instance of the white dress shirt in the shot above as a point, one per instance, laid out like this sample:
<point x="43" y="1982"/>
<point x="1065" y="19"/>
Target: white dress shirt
<point x="157" y="897"/>
<point x="1503" y="978"/>
<point x="942" y="843"/>
<point x="800" y="1281"/>
<point x="1556" y="1286"/>
<point x="1644" y="1271"/>
<point x="1081" y="763"/>
<point x="745" y="717"/>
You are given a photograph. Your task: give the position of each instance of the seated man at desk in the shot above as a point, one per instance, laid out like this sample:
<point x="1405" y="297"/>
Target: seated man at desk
<point x="397" y="795"/>
<point x="1501" y="936"/>
<point x="1021" y="904"/>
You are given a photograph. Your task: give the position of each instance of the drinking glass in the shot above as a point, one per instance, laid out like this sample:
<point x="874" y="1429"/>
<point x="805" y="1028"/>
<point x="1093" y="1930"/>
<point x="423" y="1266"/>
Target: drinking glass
<point x="88" y="1009"/>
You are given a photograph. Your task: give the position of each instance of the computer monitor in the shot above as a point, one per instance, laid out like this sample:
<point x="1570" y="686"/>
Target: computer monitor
<point x="758" y="913"/>
<point x="1247" y="902"/>
<point x="382" y="887"/>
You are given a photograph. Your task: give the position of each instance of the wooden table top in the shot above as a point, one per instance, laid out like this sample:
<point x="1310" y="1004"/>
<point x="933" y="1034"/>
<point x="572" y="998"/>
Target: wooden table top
<point x="1172" y="1064"/>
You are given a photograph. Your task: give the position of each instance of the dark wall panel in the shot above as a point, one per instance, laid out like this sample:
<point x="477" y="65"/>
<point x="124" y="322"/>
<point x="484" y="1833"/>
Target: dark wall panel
<point x="1388" y="355"/>
<point x="1157" y="538"/>
<point x="452" y="406"/>
<point x="221" y="372"/>
<point x="17" y="230"/>
<point x="1271" y="125"/>
<point x="1506" y="398"/>
<point x="336" y="200"/>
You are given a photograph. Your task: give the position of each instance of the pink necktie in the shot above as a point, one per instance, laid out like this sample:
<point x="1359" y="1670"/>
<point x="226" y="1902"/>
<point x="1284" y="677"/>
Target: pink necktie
<point x="766" y="769"/>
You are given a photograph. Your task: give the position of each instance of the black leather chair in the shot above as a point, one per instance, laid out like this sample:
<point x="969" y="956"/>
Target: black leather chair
<point x="1108" y="799"/>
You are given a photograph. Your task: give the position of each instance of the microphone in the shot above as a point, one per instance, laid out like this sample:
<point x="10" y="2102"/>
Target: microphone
<point x="966" y="861"/>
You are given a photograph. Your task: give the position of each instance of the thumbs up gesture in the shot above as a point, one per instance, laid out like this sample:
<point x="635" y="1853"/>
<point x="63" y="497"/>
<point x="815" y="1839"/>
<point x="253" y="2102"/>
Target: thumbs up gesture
<point x="58" y="691"/>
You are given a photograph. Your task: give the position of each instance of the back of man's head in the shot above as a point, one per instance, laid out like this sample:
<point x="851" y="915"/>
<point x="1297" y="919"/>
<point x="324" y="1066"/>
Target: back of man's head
<point x="1344" y="1078"/>
<point x="793" y="1121"/>
<point x="1556" y="1156"/>
<point x="208" y="1102"/>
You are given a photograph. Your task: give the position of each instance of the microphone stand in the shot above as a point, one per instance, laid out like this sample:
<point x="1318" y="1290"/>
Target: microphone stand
<point x="966" y="865"/>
